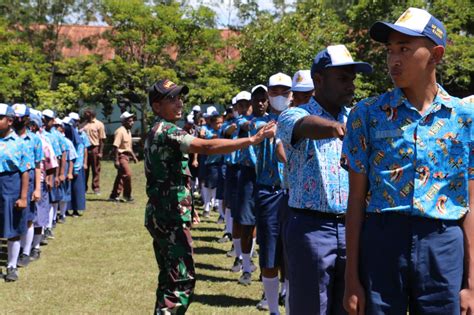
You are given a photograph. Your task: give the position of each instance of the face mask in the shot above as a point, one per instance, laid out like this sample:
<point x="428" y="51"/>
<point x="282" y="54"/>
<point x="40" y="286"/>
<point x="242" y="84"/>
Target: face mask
<point x="18" y="124"/>
<point x="235" y="113"/>
<point x="279" y="103"/>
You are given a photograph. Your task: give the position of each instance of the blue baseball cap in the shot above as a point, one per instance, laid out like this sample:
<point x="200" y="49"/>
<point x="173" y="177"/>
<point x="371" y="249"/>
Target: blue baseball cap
<point x="413" y="22"/>
<point x="6" y="110"/>
<point x="337" y="56"/>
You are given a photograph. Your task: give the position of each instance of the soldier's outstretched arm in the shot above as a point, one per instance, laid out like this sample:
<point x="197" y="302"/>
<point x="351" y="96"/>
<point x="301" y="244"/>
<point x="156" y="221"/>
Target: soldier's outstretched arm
<point x="223" y="146"/>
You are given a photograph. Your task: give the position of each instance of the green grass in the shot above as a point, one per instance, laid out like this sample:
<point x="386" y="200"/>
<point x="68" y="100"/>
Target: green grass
<point x="103" y="263"/>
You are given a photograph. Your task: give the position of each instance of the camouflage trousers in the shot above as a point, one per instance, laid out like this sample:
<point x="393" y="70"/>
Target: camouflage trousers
<point x="176" y="278"/>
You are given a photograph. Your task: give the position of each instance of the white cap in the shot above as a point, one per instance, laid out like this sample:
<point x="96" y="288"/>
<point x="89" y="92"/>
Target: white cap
<point x="6" y="110"/>
<point x="196" y="108"/>
<point x="244" y="95"/>
<point x="190" y="119"/>
<point x="233" y="100"/>
<point x="302" y="81"/>
<point x="126" y="115"/>
<point x="468" y="99"/>
<point x="74" y="116"/>
<point x="67" y="120"/>
<point x="210" y="110"/>
<point x="279" y="79"/>
<point x="58" y="121"/>
<point x="35" y="112"/>
<point x="21" y="110"/>
<point x="260" y="86"/>
<point x="48" y="113"/>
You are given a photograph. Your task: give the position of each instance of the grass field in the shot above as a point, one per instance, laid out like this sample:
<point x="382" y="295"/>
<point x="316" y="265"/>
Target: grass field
<point x="103" y="263"/>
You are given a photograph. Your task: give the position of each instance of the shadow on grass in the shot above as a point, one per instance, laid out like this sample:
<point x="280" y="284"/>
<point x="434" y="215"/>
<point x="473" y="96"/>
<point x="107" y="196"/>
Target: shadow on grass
<point x="210" y="239"/>
<point x="201" y="228"/>
<point x="222" y="300"/>
<point x="208" y="250"/>
<point x="204" y="277"/>
<point x="209" y="267"/>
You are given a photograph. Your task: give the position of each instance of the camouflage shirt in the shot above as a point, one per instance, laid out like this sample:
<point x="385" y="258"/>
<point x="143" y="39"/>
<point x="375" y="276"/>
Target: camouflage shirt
<point x="167" y="174"/>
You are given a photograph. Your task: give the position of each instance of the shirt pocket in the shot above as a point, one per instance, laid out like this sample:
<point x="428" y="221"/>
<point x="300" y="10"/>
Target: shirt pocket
<point x="450" y="156"/>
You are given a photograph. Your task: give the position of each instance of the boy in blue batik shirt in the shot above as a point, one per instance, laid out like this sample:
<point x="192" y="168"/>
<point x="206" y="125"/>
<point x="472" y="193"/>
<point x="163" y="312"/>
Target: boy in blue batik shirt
<point x="268" y="191"/>
<point x="410" y="156"/>
<point x="318" y="186"/>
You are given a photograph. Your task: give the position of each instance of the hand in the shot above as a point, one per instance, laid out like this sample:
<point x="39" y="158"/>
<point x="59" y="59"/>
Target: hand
<point x="56" y="181"/>
<point x="117" y="164"/>
<point x="70" y="176"/>
<point x="20" y="204"/>
<point x="36" y="195"/>
<point x="196" y="219"/>
<point x="195" y="164"/>
<point x="135" y="160"/>
<point x="467" y="301"/>
<point x="267" y="131"/>
<point x="354" y="299"/>
<point x="99" y="155"/>
<point x="339" y="130"/>
<point x="85" y="166"/>
<point x="232" y="128"/>
<point x="62" y="178"/>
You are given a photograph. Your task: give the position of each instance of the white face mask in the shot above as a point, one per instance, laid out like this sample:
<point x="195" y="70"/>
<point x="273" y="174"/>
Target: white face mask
<point x="279" y="103"/>
<point x="236" y="113"/>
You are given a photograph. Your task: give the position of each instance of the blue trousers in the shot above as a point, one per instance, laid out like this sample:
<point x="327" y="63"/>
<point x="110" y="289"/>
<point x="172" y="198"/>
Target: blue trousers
<point x="411" y="263"/>
<point x="316" y="252"/>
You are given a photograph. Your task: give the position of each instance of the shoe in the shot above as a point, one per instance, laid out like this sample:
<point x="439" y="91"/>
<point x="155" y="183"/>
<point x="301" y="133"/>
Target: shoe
<point x="12" y="274"/>
<point x="49" y="234"/>
<point x="76" y="214"/>
<point x="23" y="261"/>
<point x="220" y="220"/>
<point x="128" y="199"/>
<point x="281" y="299"/>
<point x="35" y="254"/>
<point x="116" y="199"/>
<point x="237" y="267"/>
<point x="97" y="192"/>
<point x="231" y="253"/>
<point x="254" y="254"/>
<point x="245" y="278"/>
<point x="44" y="240"/>
<point x="226" y="238"/>
<point x="62" y="220"/>
<point x="205" y="214"/>
<point x="263" y="304"/>
<point x="253" y="267"/>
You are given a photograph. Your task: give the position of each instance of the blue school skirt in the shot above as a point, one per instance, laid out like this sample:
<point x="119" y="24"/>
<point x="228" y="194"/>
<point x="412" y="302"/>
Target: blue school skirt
<point x="78" y="192"/>
<point x="56" y="193"/>
<point x="13" y="222"/>
<point x="30" y="205"/>
<point x="42" y="207"/>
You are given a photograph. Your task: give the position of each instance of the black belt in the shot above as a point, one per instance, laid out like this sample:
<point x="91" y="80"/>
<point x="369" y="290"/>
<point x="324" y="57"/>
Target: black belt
<point x="320" y="214"/>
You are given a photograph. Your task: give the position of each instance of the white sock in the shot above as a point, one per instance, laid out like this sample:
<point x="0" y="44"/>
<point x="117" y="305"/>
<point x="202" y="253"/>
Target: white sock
<point x="254" y="242"/>
<point x="55" y="211"/>
<point x="13" y="252"/>
<point x="26" y="240"/>
<point x="237" y="247"/>
<point x="204" y="194"/>
<point x="36" y="240"/>
<point x="246" y="265"/>
<point x="50" y="219"/>
<point x="282" y="288"/>
<point x="228" y="221"/>
<point x="220" y="207"/>
<point x="212" y="193"/>
<point x="270" y="286"/>
<point x="287" y="297"/>
<point x="63" y="208"/>
<point x="207" y="199"/>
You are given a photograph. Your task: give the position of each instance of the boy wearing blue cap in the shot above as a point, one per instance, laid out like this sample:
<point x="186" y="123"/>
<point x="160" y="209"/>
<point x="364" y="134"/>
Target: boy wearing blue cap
<point x="14" y="166"/>
<point x="311" y="133"/>
<point x="410" y="155"/>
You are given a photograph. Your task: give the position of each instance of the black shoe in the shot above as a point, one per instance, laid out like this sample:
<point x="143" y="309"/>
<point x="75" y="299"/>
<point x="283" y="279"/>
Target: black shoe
<point x="44" y="240"/>
<point x="76" y="214"/>
<point x="237" y="267"/>
<point x="62" y="220"/>
<point x="12" y="274"/>
<point x="23" y="261"/>
<point x="128" y="199"/>
<point x="226" y="238"/>
<point x="49" y="234"/>
<point x="35" y="254"/>
<point x="112" y="199"/>
<point x="281" y="299"/>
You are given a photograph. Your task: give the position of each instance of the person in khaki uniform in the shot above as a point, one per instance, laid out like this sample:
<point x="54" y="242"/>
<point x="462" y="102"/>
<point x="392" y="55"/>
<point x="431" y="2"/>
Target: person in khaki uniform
<point x="123" y="152"/>
<point x="95" y="131"/>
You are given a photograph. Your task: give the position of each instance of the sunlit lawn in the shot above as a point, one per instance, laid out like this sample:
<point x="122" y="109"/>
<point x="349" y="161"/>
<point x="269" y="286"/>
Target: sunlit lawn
<point x="103" y="262"/>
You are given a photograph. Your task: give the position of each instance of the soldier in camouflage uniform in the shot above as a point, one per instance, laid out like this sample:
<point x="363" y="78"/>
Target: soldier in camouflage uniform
<point x="169" y="211"/>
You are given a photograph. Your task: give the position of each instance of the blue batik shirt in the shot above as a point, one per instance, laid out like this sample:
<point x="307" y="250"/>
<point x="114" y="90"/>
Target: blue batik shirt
<point x="61" y="140"/>
<point x="34" y="148"/>
<point x="416" y="164"/>
<point x="315" y="177"/>
<point x="54" y="142"/>
<point x="232" y="157"/>
<point x="213" y="158"/>
<point x="13" y="154"/>
<point x="269" y="171"/>
<point x="247" y="155"/>
<point x="81" y="146"/>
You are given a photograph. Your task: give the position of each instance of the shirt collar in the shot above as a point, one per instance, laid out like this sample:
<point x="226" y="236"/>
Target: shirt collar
<point x="442" y="98"/>
<point x="315" y="108"/>
<point x="11" y="136"/>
